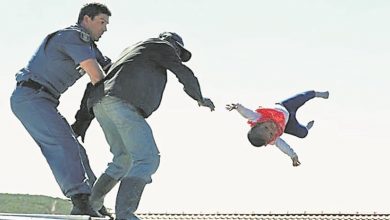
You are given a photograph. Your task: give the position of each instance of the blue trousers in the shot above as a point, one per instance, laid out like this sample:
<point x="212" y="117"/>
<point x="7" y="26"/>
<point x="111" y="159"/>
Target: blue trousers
<point x="67" y="159"/>
<point x="130" y="138"/>
<point x="292" y="104"/>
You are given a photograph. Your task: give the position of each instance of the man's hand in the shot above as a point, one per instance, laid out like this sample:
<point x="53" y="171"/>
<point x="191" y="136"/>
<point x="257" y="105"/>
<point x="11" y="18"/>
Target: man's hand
<point x="206" y="102"/>
<point x="105" y="63"/>
<point x="231" y="107"/>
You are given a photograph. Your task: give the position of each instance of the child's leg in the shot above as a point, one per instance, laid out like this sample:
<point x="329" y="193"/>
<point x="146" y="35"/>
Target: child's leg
<point x="292" y="104"/>
<point x="323" y="95"/>
<point x="294" y="128"/>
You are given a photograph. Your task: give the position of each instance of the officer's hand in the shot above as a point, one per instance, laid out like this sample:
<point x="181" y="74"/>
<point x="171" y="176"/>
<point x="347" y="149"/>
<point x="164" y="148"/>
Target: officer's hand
<point x="231" y="107"/>
<point x="206" y="102"/>
<point x="105" y="63"/>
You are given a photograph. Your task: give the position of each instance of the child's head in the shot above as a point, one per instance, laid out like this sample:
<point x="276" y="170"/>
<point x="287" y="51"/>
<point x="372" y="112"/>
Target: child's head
<point x="262" y="133"/>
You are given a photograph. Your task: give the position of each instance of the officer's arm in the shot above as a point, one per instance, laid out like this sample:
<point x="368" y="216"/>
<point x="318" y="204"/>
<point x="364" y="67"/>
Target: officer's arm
<point x="93" y="69"/>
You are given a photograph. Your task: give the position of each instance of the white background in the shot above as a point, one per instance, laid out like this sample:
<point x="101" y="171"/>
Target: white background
<point x="255" y="52"/>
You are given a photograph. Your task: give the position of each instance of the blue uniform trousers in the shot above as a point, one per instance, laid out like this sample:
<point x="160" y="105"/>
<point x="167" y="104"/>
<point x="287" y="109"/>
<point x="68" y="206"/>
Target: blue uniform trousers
<point x="37" y="110"/>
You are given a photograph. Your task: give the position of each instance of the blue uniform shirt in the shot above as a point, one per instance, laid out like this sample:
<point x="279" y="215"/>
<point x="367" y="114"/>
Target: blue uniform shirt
<point x="55" y="64"/>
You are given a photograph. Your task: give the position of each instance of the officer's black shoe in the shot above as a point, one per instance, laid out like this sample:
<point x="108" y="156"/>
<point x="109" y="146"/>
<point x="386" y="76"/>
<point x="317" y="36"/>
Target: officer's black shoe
<point x="81" y="206"/>
<point x="103" y="211"/>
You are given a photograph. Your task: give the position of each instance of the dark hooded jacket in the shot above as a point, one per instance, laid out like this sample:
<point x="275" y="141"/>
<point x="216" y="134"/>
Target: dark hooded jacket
<point x="139" y="76"/>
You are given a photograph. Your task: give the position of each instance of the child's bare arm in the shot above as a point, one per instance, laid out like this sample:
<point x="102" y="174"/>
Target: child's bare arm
<point x="244" y="112"/>
<point x="285" y="148"/>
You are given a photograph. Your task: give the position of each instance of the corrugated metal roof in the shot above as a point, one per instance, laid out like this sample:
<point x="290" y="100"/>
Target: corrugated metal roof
<point x="212" y="216"/>
<point x="254" y="216"/>
<point x="13" y="216"/>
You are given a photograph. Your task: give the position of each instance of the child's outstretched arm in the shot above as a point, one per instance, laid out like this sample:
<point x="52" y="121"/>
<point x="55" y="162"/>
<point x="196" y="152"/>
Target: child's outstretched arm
<point x="244" y="112"/>
<point x="285" y="148"/>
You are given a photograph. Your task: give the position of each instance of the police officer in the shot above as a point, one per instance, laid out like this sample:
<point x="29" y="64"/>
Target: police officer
<point x="63" y="57"/>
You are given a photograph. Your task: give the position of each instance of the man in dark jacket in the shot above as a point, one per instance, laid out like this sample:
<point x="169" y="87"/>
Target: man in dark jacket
<point x="131" y="92"/>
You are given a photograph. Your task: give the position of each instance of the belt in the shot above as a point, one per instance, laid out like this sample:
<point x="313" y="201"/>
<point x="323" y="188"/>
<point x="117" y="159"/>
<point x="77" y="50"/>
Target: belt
<point x="33" y="85"/>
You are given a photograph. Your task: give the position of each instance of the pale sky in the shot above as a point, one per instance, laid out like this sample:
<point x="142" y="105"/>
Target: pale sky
<point x="255" y="52"/>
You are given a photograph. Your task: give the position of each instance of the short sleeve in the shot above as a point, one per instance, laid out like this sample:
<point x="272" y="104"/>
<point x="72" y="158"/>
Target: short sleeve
<point x="76" y="48"/>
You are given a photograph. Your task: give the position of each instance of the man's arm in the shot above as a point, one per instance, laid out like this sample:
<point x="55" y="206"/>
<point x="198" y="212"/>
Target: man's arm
<point x="93" y="69"/>
<point x="103" y="61"/>
<point x="168" y="58"/>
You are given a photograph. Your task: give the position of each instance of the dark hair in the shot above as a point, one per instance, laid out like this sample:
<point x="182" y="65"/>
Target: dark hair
<point x="255" y="139"/>
<point x="91" y="10"/>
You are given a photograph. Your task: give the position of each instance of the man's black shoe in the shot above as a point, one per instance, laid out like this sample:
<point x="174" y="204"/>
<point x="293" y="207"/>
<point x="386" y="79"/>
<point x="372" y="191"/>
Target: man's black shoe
<point x="103" y="211"/>
<point x="81" y="206"/>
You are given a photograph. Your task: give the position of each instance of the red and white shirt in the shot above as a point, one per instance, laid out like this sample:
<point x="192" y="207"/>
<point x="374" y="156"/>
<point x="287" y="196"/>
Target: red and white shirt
<point x="278" y="114"/>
